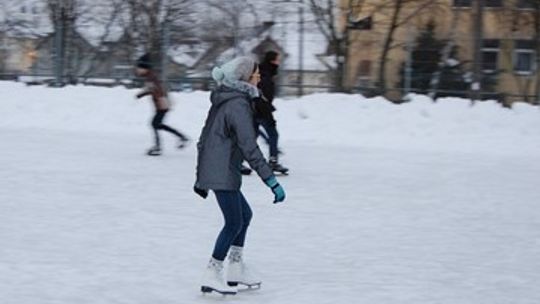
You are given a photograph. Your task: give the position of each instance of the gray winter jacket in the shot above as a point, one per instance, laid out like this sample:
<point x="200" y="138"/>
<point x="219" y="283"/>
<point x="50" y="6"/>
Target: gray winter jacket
<point x="228" y="137"/>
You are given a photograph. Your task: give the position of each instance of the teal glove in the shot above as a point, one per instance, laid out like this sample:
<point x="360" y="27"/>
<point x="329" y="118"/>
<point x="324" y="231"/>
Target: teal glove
<point x="279" y="192"/>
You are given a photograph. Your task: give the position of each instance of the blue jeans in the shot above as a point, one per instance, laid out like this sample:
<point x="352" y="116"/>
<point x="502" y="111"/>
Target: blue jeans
<point x="271" y="137"/>
<point x="237" y="215"/>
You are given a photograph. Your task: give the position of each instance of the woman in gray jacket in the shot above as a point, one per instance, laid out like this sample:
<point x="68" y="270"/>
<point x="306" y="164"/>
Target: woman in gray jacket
<point x="229" y="137"/>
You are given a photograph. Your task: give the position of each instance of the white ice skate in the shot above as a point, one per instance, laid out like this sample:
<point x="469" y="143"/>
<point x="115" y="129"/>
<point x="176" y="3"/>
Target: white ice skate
<point x="238" y="274"/>
<point x="214" y="279"/>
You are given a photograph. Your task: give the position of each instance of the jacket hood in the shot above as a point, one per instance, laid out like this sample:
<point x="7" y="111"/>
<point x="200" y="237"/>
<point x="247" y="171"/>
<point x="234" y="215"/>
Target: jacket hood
<point x="223" y="94"/>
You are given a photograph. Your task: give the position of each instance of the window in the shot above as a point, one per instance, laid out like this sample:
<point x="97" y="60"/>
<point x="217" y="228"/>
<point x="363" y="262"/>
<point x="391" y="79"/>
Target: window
<point x="364" y="68"/>
<point x="524" y="57"/>
<point x="526" y="4"/>
<point x="490" y="55"/>
<point x="487" y="3"/>
<point x="462" y="3"/>
<point x="362" y="24"/>
<point x="493" y="3"/>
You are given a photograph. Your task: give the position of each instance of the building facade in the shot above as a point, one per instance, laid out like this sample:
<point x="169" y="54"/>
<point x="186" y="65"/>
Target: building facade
<point x="509" y="42"/>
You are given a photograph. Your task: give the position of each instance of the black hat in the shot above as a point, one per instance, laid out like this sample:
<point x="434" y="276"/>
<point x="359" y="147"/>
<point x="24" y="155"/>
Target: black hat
<point x="144" y="62"/>
<point x="270" y="56"/>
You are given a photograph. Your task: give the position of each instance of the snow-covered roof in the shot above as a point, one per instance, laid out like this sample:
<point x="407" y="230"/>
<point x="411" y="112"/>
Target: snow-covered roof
<point x="286" y="32"/>
<point x="289" y="39"/>
<point x="245" y="47"/>
<point x="188" y="54"/>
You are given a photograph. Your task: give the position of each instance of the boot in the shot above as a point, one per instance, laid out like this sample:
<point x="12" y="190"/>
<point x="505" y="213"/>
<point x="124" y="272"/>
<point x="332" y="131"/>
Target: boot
<point x="276" y="166"/>
<point x="154" y="151"/>
<point x="184" y="141"/>
<point x="238" y="272"/>
<point x="214" y="280"/>
<point x="245" y="170"/>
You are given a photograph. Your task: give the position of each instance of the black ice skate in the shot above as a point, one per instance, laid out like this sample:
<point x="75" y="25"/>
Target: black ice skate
<point x="277" y="167"/>
<point x="245" y="170"/>
<point x="154" y="151"/>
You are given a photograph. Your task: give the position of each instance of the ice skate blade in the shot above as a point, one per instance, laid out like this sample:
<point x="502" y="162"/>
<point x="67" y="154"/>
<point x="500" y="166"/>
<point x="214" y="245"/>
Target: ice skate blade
<point x="153" y="153"/>
<point x="206" y="289"/>
<point x="245" y="287"/>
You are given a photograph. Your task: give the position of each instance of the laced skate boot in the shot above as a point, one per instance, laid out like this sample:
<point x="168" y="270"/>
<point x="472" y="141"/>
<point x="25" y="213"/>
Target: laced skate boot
<point x="276" y="166"/>
<point x="214" y="280"/>
<point x="238" y="273"/>
<point x="154" y="151"/>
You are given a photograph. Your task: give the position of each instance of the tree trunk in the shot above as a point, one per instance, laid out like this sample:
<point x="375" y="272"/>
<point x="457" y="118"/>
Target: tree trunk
<point x="387" y="45"/>
<point x="340" y="66"/>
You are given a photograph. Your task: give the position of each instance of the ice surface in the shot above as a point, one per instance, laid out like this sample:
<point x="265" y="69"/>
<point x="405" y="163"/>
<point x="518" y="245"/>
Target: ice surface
<point x="416" y="203"/>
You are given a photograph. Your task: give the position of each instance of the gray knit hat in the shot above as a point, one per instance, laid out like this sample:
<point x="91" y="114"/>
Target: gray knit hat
<point x="239" y="68"/>
<point x="236" y="73"/>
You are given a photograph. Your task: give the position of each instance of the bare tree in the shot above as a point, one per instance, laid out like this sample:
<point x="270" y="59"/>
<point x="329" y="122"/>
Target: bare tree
<point x="229" y="21"/>
<point x="146" y="20"/>
<point x="330" y="23"/>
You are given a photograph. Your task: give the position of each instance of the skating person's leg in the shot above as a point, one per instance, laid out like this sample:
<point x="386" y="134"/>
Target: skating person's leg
<point x="156" y="123"/>
<point x="247" y="214"/>
<point x="231" y="206"/>
<point x="164" y="127"/>
<point x="156" y="149"/>
<point x="238" y="272"/>
<point x="273" y="137"/>
<point x="214" y="279"/>
<point x="260" y="132"/>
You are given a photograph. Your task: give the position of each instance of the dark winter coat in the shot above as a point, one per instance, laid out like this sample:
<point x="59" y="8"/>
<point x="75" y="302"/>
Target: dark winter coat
<point x="264" y="107"/>
<point x="228" y="137"/>
<point x="267" y="85"/>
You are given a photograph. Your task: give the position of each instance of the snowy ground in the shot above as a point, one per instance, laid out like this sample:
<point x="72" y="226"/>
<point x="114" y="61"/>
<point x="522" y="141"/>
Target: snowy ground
<point x="417" y="203"/>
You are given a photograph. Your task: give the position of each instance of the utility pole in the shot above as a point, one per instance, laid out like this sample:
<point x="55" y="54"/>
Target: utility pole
<point x="408" y="63"/>
<point x="537" y="36"/>
<point x="60" y="17"/>
<point x="165" y="43"/>
<point x="301" y="31"/>
<point x="4" y="48"/>
<point x="301" y="51"/>
<point x="478" y="30"/>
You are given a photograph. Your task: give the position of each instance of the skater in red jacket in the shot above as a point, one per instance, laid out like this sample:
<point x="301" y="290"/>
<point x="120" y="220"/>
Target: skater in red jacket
<point x="154" y="88"/>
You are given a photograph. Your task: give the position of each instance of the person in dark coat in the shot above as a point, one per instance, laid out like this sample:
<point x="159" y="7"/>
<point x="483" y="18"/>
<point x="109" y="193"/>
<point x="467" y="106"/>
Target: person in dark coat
<point x="229" y="137"/>
<point x="265" y="108"/>
<point x="154" y="88"/>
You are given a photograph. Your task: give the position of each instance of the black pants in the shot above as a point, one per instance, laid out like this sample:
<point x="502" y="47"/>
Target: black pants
<point x="157" y="124"/>
<point x="271" y="135"/>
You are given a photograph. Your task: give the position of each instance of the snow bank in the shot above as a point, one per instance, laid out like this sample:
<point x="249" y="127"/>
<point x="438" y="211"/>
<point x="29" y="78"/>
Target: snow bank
<point x="319" y="119"/>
